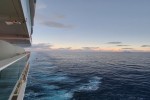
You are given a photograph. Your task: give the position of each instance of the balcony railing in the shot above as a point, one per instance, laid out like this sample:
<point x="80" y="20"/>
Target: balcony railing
<point x="12" y="78"/>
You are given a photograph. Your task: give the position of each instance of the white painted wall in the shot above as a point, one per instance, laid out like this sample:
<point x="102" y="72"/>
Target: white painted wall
<point x="8" y="50"/>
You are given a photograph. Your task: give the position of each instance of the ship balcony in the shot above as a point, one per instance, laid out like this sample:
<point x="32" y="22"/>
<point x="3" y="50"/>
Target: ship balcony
<point x="13" y="74"/>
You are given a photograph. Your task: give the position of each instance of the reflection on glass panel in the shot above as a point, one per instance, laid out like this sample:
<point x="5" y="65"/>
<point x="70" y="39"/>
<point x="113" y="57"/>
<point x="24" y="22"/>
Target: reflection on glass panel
<point x="9" y="77"/>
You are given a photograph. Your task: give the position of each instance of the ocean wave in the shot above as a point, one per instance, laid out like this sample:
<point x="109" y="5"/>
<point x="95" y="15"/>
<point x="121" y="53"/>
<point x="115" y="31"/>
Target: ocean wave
<point x="58" y="77"/>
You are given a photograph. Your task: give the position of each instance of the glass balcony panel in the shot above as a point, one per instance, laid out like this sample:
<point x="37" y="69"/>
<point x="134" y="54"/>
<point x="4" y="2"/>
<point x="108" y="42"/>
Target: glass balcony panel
<point x="9" y="77"/>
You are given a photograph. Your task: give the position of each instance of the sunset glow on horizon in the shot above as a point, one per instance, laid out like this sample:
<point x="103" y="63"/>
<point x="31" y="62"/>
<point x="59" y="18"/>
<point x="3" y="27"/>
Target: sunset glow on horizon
<point x="50" y="47"/>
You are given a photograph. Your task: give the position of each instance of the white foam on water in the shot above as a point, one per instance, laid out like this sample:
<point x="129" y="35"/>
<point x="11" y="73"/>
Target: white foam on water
<point x="58" y="78"/>
<point x="51" y="87"/>
<point x="68" y="95"/>
<point x="50" y="67"/>
<point x="62" y="78"/>
<point x="59" y="95"/>
<point x="93" y="84"/>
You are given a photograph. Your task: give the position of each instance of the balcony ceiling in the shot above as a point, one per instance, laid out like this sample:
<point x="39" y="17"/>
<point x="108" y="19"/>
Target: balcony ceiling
<point x="13" y="26"/>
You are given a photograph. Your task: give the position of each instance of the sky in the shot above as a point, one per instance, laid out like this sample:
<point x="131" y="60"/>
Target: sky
<point x="100" y="25"/>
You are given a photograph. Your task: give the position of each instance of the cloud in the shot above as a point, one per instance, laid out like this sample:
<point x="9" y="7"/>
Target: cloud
<point x="90" y="48"/>
<point x="40" y="46"/>
<point x="127" y="48"/>
<point x="43" y="45"/>
<point x="145" y="46"/>
<point x="56" y="24"/>
<point x="115" y="42"/>
<point x="46" y="47"/>
<point x="123" y="45"/>
<point x="52" y="21"/>
<point x="67" y="48"/>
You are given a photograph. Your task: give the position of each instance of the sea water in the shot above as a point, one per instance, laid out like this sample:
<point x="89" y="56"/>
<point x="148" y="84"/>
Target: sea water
<point x="88" y="76"/>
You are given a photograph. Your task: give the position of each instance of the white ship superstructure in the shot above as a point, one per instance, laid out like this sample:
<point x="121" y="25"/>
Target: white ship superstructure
<point x="16" y="28"/>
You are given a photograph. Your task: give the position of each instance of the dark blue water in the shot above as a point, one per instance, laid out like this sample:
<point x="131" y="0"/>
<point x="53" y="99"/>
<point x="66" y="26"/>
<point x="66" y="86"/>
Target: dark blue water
<point x="88" y="76"/>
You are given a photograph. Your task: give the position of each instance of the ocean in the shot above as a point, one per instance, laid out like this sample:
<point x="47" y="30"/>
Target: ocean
<point x="88" y="76"/>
